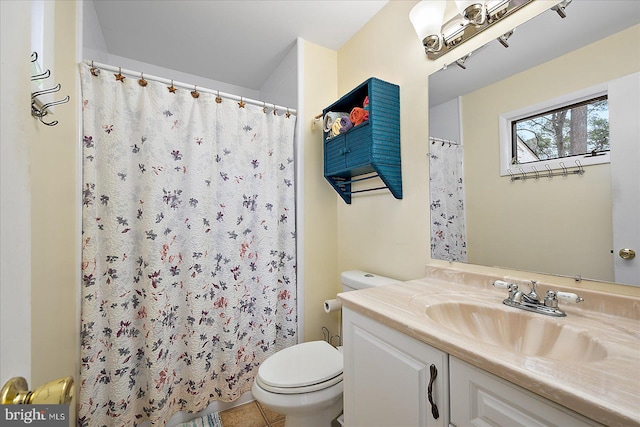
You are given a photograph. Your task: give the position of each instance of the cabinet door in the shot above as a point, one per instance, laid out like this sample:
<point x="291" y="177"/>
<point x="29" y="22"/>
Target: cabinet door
<point x="358" y="147"/>
<point x="386" y="377"/>
<point x="334" y="155"/>
<point x="481" y="399"/>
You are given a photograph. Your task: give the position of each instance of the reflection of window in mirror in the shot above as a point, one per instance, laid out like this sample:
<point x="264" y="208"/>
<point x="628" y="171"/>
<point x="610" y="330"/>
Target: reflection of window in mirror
<point x="42" y="37"/>
<point x="568" y="131"/>
<point x="574" y="130"/>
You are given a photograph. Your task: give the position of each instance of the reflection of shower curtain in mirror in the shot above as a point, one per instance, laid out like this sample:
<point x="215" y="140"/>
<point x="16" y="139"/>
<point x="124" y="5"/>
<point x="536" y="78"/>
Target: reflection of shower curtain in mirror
<point x="188" y="257"/>
<point x="446" y="189"/>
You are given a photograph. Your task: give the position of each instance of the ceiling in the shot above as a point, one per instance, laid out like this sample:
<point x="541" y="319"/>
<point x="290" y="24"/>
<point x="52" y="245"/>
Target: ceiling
<point x="237" y="42"/>
<point x="241" y="42"/>
<point x="541" y="39"/>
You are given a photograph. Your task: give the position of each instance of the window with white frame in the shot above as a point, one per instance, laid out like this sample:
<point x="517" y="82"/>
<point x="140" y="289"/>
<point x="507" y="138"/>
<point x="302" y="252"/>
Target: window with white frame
<point x="564" y="132"/>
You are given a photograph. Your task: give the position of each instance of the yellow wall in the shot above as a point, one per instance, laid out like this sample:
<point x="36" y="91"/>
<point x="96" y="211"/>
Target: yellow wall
<point x="500" y="213"/>
<point x="319" y="236"/>
<point x="54" y="221"/>
<point x="389" y="236"/>
<point x="376" y="232"/>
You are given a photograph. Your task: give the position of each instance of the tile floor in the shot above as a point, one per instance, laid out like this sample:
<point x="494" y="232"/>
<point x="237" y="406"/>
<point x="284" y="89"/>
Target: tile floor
<point x="251" y="414"/>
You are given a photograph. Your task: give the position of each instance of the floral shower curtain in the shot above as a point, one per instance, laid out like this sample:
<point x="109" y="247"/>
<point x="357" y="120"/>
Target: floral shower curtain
<point x="446" y="187"/>
<point x="188" y="256"/>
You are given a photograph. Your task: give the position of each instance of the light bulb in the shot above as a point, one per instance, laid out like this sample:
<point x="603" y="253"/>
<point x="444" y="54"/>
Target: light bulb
<point x="427" y="17"/>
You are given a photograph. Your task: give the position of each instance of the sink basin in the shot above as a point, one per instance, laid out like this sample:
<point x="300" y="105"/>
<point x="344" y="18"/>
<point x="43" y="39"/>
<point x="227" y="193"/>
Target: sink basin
<point x="528" y="333"/>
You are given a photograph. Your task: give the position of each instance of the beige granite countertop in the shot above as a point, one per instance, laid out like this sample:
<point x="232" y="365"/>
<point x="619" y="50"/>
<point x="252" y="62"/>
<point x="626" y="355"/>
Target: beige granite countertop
<point x="606" y="390"/>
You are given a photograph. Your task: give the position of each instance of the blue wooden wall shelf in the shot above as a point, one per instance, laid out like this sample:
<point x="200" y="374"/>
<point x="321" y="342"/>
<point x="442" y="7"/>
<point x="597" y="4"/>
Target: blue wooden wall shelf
<point x="372" y="147"/>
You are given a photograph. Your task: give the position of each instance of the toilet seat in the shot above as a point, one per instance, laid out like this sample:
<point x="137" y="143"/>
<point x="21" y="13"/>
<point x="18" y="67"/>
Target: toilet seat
<point x="302" y="368"/>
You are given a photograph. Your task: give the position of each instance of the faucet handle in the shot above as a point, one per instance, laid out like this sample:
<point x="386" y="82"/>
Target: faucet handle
<point x="501" y="284"/>
<point x="512" y="287"/>
<point x="551" y="299"/>
<point x="569" y="297"/>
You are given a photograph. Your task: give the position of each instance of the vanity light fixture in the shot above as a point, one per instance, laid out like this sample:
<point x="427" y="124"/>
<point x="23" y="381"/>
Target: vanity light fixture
<point x="439" y="37"/>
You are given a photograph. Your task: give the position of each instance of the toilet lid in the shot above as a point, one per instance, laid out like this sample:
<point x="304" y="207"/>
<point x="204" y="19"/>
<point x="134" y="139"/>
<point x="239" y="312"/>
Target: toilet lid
<point x="301" y="365"/>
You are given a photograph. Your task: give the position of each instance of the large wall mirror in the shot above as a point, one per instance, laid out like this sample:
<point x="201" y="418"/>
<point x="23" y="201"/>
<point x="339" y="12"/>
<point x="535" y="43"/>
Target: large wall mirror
<point x="563" y="225"/>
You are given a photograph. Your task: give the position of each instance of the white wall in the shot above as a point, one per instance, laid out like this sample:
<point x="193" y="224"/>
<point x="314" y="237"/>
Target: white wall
<point x="444" y="121"/>
<point x="95" y="48"/>
<point x="281" y="87"/>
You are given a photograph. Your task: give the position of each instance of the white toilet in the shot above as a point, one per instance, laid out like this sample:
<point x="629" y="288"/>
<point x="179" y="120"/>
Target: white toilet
<point x="304" y="381"/>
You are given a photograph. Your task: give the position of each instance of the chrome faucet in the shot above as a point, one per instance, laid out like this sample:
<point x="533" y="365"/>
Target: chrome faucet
<point x="530" y="298"/>
<point x="531" y="301"/>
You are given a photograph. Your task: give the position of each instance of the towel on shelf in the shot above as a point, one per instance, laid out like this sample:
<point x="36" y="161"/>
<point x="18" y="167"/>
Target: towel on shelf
<point x="345" y="124"/>
<point x="358" y="115"/>
<point x="330" y="118"/>
<point x="335" y="129"/>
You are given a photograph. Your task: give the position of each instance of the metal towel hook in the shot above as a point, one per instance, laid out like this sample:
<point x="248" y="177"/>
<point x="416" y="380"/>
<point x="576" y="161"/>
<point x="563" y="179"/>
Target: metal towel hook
<point x="535" y="171"/>
<point x="58" y="102"/>
<point x="54" y="89"/>
<point x="41" y="76"/>
<point x="41" y="112"/>
<point x="564" y="169"/>
<point x="523" y="173"/>
<point x="550" y="175"/>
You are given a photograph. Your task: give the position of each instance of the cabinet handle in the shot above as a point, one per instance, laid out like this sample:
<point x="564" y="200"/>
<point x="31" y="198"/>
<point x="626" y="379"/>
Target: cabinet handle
<point x="434" y="407"/>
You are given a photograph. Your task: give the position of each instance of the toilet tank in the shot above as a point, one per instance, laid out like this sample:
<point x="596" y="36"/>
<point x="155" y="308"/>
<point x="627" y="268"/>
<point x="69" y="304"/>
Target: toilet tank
<point x="355" y="279"/>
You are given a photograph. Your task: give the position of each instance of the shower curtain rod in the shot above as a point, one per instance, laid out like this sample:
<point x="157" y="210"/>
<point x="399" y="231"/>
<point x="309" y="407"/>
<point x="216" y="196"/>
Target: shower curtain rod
<point x="120" y="70"/>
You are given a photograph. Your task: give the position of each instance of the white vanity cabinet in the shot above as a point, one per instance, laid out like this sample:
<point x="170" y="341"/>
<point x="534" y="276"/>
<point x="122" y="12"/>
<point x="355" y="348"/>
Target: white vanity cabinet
<point x="386" y="382"/>
<point x="387" y="376"/>
<point x="479" y="398"/>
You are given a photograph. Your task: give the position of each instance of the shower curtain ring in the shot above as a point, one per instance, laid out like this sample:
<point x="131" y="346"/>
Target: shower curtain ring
<point x="218" y="99"/>
<point x="94" y="71"/>
<point x="264" y="107"/>
<point x="195" y="92"/>
<point x="119" y="77"/>
<point x="275" y="111"/>
<point x="241" y="104"/>
<point x="288" y="114"/>
<point x="172" y="88"/>
<point x="142" y="82"/>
